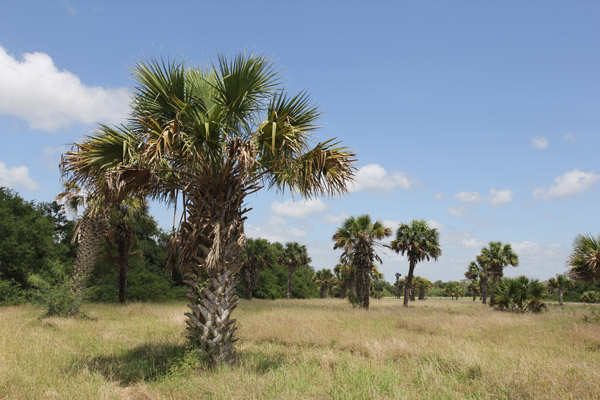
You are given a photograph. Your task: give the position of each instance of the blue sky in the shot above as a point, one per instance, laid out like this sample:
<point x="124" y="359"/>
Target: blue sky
<point x="480" y="117"/>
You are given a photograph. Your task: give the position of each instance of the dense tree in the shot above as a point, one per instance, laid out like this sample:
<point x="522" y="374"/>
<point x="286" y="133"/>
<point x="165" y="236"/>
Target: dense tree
<point x="584" y="261"/>
<point x="258" y="254"/>
<point x="419" y="242"/>
<point x="495" y="258"/>
<point x="214" y="136"/>
<point x="357" y="237"/>
<point x="559" y="284"/>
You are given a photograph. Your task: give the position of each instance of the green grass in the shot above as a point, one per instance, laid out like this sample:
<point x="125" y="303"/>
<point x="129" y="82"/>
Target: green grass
<point x="313" y="349"/>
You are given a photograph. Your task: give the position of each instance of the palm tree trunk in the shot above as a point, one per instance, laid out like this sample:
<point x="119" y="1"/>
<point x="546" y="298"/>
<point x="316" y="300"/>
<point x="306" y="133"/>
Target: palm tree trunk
<point x="366" y="287"/>
<point x="408" y="283"/>
<point x="343" y="289"/>
<point x="560" y="296"/>
<point x="484" y="289"/>
<point x="123" y="238"/>
<point x="91" y="236"/>
<point x="323" y="291"/>
<point x="291" y="271"/>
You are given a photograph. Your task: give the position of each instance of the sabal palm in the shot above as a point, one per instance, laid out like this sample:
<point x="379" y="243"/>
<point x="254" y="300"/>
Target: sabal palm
<point x="559" y="284"/>
<point x="478" y="274"/>
<point x="214" y="136"/>
<point x="258" y="254"/>
<point x="496" y="257"/>
<point x="293" y="256"/>
<point x="584" y="261"/>
<point x="343" y="274"/>
<point x="357" y="237"/>
<point x="419" y="242"/>
<point x="324" y="279"/>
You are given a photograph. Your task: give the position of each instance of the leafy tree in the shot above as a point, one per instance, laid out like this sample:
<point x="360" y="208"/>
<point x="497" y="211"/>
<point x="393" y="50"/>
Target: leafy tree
<point x="324" y="279"/>
<point x="357" y="238"/>
<point x="520" y="295"/>
<point x="258" y="253"/>
<point x="559" y="284"/>
<point x="454" y="290"/>
<point x="495" y="258"/>
<point x="419" y="242"/>
<point x="214" y="136"/>
<point x="293" y="256"/>
<point x="584" y="261"/>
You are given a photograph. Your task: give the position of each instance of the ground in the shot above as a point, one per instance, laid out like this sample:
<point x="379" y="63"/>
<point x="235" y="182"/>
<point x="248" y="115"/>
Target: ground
<point x="306" y="349"/>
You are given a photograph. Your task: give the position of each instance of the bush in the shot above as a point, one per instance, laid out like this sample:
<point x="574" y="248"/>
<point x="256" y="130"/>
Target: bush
<point x="520" y="295"/>
<point x="52" y="290"/>
<point x="590" y="297"/>
<point x="11" y="293"/>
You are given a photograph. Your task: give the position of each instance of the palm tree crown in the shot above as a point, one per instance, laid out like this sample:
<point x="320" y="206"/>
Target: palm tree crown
<point x="584" y="261"/>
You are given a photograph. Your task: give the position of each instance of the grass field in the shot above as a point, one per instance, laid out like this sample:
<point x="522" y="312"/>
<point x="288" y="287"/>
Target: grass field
<point x="314" y="349"/>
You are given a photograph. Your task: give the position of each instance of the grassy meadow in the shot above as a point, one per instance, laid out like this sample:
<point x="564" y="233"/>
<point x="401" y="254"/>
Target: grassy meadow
<point x="306" y="349"/>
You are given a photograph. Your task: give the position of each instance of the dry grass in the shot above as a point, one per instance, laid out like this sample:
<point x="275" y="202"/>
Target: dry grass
<point x="316" y="349"/>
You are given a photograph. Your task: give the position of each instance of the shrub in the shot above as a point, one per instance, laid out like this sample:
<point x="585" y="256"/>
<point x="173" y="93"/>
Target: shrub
<point x="11" y="293"/>
<point x="590" y="297"/>
<point x="52" y="290"/>
<point x="520" y="295"/>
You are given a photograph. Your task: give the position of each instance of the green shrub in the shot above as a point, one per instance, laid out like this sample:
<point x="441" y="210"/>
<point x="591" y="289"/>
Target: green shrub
<point x="590" y="297"/>
<point x="52" y="290"/>
<point x="520" y="295"/>
<point x="11" y="293"/>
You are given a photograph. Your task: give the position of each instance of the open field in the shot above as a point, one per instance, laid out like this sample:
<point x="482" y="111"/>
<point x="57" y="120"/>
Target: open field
<point x="317" y="349"/>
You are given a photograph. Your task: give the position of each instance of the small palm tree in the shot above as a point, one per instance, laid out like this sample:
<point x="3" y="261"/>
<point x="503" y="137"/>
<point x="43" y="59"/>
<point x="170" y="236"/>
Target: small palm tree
<point x="213" y="136"/>
<point x="357" y="237"/>
<point x="496" y="257"/>
<point x="478" y="274"/>
<point x="343" y="274"/>
<point x="559" y="284"/>
<point x="419" y="242"/>
<point x="324" y="279"/>
<point x="293" y="257"/>
<point x="421" y="286"/>
<point x="258" y="254"/>
<point x="520" y="295"/>
<point x="584" y="261"/>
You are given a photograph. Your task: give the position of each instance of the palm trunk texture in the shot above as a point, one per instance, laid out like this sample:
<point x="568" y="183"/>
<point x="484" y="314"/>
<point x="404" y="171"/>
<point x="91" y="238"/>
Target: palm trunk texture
<point x="91" y="236"/>
<point x="408" y="283"/>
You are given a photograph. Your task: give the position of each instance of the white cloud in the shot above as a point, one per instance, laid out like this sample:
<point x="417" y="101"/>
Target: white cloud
<point x="539" y="260"/>
<point x="438" y="196"/>
<point x="298" y="209"/>
<point x="498" y="197"/>
<point x="35" y="90"/>
<point x="275" y="230"/>
<point x="539" y="142"/>
<point x="16" y="177"/>
<point x="375" y="178"/>
<point x="335" y="219"/>
<point x="435" y="224"/>
<point x="472" y="242"/>
<point x="51" y="156"/>
<point x="457" y="212"/>
<point x="569" y="184"/>
<point x="468" y="197"/>
<point x="569" y="137"/>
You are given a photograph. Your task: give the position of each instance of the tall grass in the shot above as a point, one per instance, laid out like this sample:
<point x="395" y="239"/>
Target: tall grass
<point x="315" y="349"/>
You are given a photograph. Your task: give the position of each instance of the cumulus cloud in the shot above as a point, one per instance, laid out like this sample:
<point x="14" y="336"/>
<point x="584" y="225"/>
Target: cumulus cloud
<point x="468" y="197"/>
<point x="435" y="224"/>
<point x="458" y="211"/>
<point x="498" y="197"/>
<point x="335" y="219"/>
<point x="472" y="242"/>
<point x="539" y="142"/>
<point x="35" y="90"/>
<point x="569" y="184"/>
<point x="298" y="209"/>
<point x="16" y="177"/>
<point x="275" y="229"/>
<point x="375" y="178"/>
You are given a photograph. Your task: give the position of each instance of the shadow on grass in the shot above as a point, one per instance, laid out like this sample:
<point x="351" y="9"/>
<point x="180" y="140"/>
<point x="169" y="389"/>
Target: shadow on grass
<point x="148" y="362"/>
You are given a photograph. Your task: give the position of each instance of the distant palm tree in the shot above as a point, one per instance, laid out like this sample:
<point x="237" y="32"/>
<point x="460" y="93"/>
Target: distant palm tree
<point x="293" y="257"/>
<point x="214" y="136"/>
<point x="496" y="257"/>
<point x="258" y="254"/>
<point x="421" y="286"/>
<point x="324" y="279"/>
<point x="419" y="242"/>
<point x="478" y="274"/>
<point x="357" y="237"/>
<point x="398" y="285"/>
<point x="585" y="259"/>
<point x="343" y="274"/>
<point x="559" y="284"/>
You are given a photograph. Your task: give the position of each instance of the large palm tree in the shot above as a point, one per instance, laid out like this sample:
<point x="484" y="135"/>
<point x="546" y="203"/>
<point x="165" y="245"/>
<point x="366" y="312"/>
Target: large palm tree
<point x="357" y="237"/>
<point x="419" y="242"/>
<point x="258" y="254"/>
<point x="212" y="136"/>
<point x="559" y="284"/>
<point x="496" y="257"/>
<point x="584" y="261"/>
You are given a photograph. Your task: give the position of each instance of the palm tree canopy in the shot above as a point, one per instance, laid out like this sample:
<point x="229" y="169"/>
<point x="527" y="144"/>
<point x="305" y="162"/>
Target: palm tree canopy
<point x="359" y="234"/>
<point x="418" y="241"/>
<point x="190" y="126"/>
<point x="561" y="282"/>
<point x="497" y="256"/>
<point x="295" y="255"/>
<point x="584" y="261"/>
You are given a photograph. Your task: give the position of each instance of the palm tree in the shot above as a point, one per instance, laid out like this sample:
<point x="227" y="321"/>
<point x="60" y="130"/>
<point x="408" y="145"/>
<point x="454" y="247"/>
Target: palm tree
<point x="559" y="284"/>
<point x="419" y="242"/>
<point x="343" y="274"/>
<point x="421" y="285"/>
<point x="324" y="278"/>
<point x="293" y="257"/>
<point x="258" y="254"/>
<point x="496" y="257"/>
<point x="584" y="261"/>
<point x="521" y="295"/>
<point x="478" y="274"/>
<point x="398" y="285"/>
<point x="212" y="136"/>
<point x="357" y="238"/>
